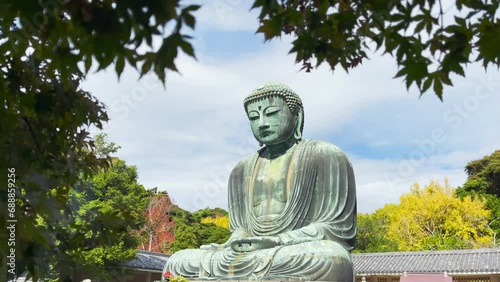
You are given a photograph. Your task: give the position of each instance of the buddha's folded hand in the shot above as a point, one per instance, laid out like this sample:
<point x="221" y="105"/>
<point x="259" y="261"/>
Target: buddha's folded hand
<point x="213" y="247"/>
<point x="250" y="244"/>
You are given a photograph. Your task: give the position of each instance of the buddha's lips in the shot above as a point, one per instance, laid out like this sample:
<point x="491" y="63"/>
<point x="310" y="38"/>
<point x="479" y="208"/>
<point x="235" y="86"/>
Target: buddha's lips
<point x="266" y="132"/>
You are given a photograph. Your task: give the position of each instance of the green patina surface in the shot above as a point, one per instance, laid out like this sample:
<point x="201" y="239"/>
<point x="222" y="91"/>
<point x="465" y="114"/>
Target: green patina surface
<point x="292" y="204"/>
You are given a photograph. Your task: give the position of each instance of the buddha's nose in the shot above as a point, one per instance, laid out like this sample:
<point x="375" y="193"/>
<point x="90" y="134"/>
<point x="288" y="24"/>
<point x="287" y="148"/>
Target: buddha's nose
<point x="263" y="126"/>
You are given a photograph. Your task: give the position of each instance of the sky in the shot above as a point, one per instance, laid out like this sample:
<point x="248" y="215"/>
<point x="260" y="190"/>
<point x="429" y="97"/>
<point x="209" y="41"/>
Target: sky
<point x="185" y="138"/>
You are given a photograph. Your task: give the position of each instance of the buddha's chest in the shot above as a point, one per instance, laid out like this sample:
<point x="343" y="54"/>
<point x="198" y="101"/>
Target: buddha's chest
<point x="269" y="189"/>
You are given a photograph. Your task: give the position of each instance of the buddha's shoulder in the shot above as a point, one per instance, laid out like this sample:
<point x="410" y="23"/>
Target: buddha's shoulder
<point x="322" y="148"/>
<point x="248" y="160"/>
<point x="317" y="145"/>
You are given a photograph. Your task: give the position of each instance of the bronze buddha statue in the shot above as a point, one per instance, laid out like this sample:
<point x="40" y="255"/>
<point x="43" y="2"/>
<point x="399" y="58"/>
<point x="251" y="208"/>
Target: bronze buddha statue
<point x="292" y="204"/>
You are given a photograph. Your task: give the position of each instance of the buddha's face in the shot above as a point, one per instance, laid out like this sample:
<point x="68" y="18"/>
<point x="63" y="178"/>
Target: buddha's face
<point x="271" y="120"/>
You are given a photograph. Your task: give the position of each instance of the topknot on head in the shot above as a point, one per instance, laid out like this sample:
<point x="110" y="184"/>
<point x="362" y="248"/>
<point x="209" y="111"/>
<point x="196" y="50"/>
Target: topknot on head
<point x="291" y="98"/>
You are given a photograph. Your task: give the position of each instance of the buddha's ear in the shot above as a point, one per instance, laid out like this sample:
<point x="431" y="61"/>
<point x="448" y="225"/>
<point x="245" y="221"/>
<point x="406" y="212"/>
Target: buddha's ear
<point x="298" y="132"/>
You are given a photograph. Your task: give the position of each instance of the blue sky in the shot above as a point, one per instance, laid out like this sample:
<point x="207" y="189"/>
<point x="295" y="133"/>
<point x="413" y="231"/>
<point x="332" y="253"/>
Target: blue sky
<point x="185" y="139"/>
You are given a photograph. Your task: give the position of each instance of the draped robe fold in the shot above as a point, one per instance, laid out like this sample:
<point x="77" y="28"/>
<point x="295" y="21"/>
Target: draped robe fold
<point x="317" y="225"/>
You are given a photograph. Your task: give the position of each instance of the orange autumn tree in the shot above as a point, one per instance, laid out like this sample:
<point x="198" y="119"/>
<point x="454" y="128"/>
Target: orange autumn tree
<point x="158" y="231"/>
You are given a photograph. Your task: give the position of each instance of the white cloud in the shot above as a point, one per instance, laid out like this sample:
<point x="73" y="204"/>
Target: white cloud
<point x="380" y="182"/>
<point x="227" y="15"/>
<point x="186" y="138"/>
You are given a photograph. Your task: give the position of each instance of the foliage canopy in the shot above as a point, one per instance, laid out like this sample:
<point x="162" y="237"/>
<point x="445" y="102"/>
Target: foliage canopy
<point x="47" y="48"/>
<point x="428" y="43"/>
<point x="92" y="233"/>
<point x="483" y="182"/>
<point x="431" y="218"/>
<point x="98" y="234"/>
<point x="157" y="232"/>
<point x="426" y="218"/>
<point x="371" y="236"/>
<point x="194" y="230"/>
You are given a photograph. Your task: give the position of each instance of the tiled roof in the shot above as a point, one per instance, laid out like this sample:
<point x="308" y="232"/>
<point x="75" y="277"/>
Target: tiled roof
<point x="480" y="261"/>
<point x="453" y="262"/>
<point x="147" y="260"/>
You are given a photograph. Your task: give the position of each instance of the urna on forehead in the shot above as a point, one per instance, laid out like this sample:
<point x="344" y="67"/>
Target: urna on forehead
<point x="278" y="89"/>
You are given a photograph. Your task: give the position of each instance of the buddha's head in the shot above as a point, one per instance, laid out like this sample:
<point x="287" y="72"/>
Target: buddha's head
<point x="276" y="114"/>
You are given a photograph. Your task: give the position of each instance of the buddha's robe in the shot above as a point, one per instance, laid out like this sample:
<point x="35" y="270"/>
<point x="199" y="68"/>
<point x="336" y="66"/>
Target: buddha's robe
<point x="317" y="224"/>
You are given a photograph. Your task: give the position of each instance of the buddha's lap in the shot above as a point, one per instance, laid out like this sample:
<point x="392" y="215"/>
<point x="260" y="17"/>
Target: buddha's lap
<point x="317" y="260"/>
<point x="316" y="249"/>
<point x="322" y="250"/>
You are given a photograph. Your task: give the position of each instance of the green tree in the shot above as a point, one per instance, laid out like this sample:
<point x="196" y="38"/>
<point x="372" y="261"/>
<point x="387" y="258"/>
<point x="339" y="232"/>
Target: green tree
<point x="431" y="218"/>
<point x="96" y="230"/>
<point x="103" y="147"/>
<point x="372" y="231"/>
<point x="88" y="231"/>
<point x="210" y="232"/>
<point x="190" y="232"/>
<point x="483" y="181"/>
<point x="98" y="233"/>
<point x="185" y="238"/>
<point x="484" y="175"/>
<point x="204" y="213"/>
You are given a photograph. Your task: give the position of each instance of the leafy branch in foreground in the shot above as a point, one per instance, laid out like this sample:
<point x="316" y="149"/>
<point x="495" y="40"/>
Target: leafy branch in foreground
<point x="47" y="49"/>
<point x="427" y="49"/>
<point x="71" y="36"/>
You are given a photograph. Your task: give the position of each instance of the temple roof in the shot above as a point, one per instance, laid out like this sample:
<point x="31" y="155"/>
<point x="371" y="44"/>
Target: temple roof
<point x="479" y="261"/>
<point x="147" y="261"/>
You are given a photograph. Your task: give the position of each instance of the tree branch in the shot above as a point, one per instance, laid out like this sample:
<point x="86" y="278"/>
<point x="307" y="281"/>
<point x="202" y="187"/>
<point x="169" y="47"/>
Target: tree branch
<point x="32" y="133"/>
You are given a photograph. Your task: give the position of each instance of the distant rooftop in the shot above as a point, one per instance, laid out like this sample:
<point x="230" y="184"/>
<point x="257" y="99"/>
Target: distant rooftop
<point x="147" y="261"/>
<point x="479" y="261"/>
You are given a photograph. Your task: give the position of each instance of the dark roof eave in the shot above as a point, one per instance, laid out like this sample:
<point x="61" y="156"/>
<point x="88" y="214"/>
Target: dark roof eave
<point x="448" y="273"/>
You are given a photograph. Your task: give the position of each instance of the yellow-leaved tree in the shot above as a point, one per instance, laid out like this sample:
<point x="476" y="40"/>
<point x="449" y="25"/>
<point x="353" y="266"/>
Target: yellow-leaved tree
<point x="431" y="218"/>
<point x="222" y="221"/>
